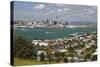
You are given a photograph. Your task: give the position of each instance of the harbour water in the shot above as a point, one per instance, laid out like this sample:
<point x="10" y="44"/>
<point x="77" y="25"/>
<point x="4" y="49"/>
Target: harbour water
<point x="50" y="33"/>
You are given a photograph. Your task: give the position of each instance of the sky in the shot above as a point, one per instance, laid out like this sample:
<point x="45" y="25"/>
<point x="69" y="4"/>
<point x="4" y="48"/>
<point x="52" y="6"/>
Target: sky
<point x="31" y="11"/>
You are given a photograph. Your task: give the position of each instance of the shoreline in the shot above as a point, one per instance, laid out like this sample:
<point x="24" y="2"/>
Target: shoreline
<point x="70" y="26"/>
<point x="82" y="35"/>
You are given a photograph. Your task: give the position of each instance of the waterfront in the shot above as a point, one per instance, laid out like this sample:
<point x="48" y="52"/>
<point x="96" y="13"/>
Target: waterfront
<point x="50" y="33"/>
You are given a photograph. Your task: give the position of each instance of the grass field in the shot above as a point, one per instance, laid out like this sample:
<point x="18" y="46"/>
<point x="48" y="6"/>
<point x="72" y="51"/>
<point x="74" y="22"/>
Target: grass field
<point x="19" y="62"/>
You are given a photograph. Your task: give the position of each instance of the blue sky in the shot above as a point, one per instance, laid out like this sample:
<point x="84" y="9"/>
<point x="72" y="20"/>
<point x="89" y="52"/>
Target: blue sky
<point x="41" y="11"/>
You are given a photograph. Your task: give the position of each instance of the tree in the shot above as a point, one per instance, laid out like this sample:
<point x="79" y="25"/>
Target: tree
<point x="50" y="56"/>
<point x="57" y="54"/>
<point x="48" y="50"/>
<point x="65" y="60"/>
<point x="23" y="48"/>
<point x="27" y="53"/>
<point x="42" y="57"/>
<point x="88" y="53"/>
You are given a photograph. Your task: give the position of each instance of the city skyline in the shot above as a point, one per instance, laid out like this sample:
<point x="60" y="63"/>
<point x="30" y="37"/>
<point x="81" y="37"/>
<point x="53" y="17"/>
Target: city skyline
<point x="41" y="11"/>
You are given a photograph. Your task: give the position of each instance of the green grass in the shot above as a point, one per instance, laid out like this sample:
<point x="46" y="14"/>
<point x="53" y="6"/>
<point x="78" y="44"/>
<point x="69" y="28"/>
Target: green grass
<point x="19" y="62"/>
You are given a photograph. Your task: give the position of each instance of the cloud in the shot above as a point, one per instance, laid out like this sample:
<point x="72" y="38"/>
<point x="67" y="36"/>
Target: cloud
<point x="50" y="12"/>
<point x="62" y="10"/>
<point x="40" y="6"/>
<point x="89" y="11"/>
<point x="66" y="9"/>
<point x="59" y="10"/>
<point x="60" y="5"/>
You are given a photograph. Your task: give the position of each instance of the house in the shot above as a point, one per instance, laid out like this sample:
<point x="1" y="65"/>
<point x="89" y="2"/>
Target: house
<point x="39" y="42"/>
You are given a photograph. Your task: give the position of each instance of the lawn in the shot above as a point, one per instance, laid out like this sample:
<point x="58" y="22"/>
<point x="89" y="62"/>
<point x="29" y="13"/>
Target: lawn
<point x="19" y="62"/>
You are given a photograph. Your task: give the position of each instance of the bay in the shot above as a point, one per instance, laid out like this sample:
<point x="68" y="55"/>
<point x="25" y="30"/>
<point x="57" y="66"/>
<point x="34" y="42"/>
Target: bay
<point x="50" y="33"/>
